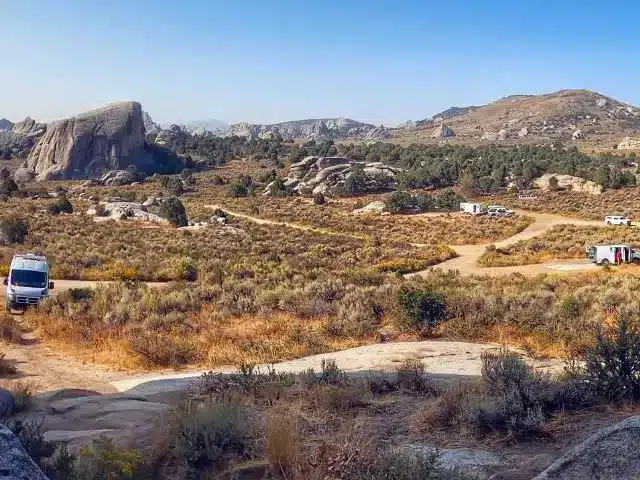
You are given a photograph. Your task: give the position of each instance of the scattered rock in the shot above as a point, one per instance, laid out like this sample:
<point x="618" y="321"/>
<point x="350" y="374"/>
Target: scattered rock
<point x="575" y="184"/>
<point x="378" y="133"/>
<point x="443" y="131"/>
<point x="523" y="132"/>
<point x="272" y="135"/>
<point x="130" y="211"/>
<point x="577" y="135"/>
<point x="4" y="173"/>
<point x="374" y="207"/>
<point x="15" y="463"/>
<point x="29" y="128"/>
<point x="117" y="178"/>
<point x="489" y="136"/>
<point x="610" y="454"/>
<point x="110" y="137"/>
<point x="477" y="464"/>
<point x="601" y="102"/>
<point x="151" y="202"/>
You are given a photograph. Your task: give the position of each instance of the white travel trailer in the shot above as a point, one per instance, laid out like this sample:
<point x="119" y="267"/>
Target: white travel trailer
<point x="472" y="208"/>
<point x="612" y="254"/>
<point x="28" y="281"/>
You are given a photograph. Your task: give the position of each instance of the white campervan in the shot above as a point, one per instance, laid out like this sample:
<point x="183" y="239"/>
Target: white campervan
<point x="472" y="208"/>
<point x="28" y="281"/>
<point x="611" y="254"/>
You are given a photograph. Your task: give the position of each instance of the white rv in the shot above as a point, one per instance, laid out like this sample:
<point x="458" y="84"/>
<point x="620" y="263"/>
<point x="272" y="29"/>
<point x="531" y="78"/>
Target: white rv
<point x="472" y="208"/>
<point x="28" y="281"/>
<point x="612" y="254"/>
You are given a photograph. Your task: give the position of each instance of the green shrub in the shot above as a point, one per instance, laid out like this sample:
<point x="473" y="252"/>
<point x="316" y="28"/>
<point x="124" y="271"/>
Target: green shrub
<point x="103" y="460"/>
<point x="423" y="308"/>
<point x="612" y="366"/>
<point x="62" y="205"/>
<point x="8" y="187"/>
<point x="14" y="230"/>
<point x="406" y="466"/>
<point x="173" y="210"/>
<point x="411" y="376"/>
<point x="201" y="435"/>
<point x="238" y="190"/>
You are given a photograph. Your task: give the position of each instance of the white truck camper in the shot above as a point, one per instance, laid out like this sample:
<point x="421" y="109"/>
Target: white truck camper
<point x="28" y="281"/>
<point x="612" y="254"/>
<point x="472" y="208"/>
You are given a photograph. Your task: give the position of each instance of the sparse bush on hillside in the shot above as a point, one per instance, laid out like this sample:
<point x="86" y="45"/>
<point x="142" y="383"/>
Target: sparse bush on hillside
<point x="104" y="460"/>
<point x="612" y="366"/>
<point x="238" y="190"/>
<point x="8" y="187"/>
<point x="173" y="210"/>
<point x="319" y="199"/>
<point x="62" y="205"/>
<point x="13" y="230"/>
<point x="173" y="184"/>
<point x="423" y="309"/>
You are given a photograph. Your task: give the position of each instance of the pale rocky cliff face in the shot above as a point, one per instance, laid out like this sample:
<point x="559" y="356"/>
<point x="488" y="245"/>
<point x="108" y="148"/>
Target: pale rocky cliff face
<point x="108" y="138"/>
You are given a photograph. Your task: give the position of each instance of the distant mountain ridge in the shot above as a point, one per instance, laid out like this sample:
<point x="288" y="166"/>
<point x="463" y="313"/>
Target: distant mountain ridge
<point x="5" y="124"/>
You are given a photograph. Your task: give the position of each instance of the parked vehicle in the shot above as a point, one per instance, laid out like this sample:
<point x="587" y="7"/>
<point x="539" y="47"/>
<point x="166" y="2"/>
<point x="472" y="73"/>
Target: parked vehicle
<point x="472" y="208"/>
<point x="28" y="281"/>
<point x="612" y="254"/>
<point x="499" y="211"/>
<point x="617" y="220"/>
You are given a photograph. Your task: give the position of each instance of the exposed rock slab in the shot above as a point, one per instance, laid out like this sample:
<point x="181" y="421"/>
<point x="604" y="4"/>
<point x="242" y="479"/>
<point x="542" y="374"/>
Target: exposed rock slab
<point x="610" y="454"/>
<point x="108" y="138"/>
<point x="443" y="131"/>
<point x="576" y="184"/>
<point x="128" y="211"/>
<point x="15" y="463"/>
<point x="374" y="207"/>
<point x="629" y="143"/>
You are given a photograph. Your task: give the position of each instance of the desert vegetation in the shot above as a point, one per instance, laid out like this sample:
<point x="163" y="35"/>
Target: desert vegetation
<point x="561" y="242"/>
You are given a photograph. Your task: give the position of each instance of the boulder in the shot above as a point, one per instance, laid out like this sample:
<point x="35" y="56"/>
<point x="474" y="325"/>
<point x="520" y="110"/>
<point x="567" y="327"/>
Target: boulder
<point x="610" y="454"/>
<point x="4" y="173"/>
<point x="23" y="175"/>
<point x="374" y="207"/>
<point x="117" y="178"/>
<point x="15" y="463"/>
<point x="111" y="137"/>
<point x="575" y="184"/>
<point x="6" y="402"/>
<point x="629" y="143"/>
<point x="271" y="135"/>
<point x="577" y="135"/>
<point x="29" y="128"/>
<point x="601" y="102"/>
<point x="130" y="211"/>
<point x="328" y="174"/>
<point x="477" y="464"/>
<point x="443" y="131"/>
<point x="524" y="131"/>
<point x="151" y="202"/>
<point x="489" y="136"/>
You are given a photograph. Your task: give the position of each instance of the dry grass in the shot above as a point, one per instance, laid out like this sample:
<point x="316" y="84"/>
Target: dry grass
<point x="561" y="242"/>
<point x="9" y="329"/>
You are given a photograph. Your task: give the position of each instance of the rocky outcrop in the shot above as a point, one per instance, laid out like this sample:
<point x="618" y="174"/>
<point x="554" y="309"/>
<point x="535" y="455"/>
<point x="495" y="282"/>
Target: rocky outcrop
<point x="150" y="127"/>
<point x="493" y="136"/>
<point x="575" y="184"/>
<point x="24" y="175"/>
<point x="629" y="143"/>
<point x="577" y="135"/>
<point x="373" y="207"/>
<point x="271" y="135"/>
<point x="523" y="132"/>
<point x="5" y="125"/>
<point x="610" y="454"/>
<point x="117" y="178"/>
<point x="14" y="143"/>
<point x="108" y="138"/>
<point x="378" y="133"/>
<point x="126" y="211"/>
<point x="15" y="463"/>
<point x="477" y="464"/>
<point x="328" y="175"/>
<point x="443" y="132"/>
<point x="313" y="129"/>
<point x="29" y="128"/>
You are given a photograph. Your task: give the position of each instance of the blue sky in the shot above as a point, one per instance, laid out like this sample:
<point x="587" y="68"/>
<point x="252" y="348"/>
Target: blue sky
<point x="258" y="61"/>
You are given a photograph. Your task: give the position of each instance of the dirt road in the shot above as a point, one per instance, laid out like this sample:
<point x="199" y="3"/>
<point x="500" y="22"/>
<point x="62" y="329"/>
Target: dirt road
<point x="46" y="369"/>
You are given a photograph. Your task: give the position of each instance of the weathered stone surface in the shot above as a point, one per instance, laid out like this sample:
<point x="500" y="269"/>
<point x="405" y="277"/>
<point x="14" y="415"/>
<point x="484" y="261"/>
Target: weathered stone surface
<point x="29" y="128"/>
<point x="111" y="137"/>
<point x="15" y="463"/>
<point x="577" y="135"/>
<point x="374" y="207"/>
<point x="523" y="132"/>
<point x="575" y="184"/>
<point x="116" y="178"/>
<point x="129" y="211"/>
<point x="443" y="131"/>
<point x="629" y="143"/>
<point x="327" y="175"/>
<point x="23" y="175"/>
<point x="477" y="464"/>
<point x="610" y="454"/>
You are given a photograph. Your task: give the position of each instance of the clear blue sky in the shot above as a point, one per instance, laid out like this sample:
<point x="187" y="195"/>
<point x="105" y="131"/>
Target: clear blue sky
<point x="268" y="61"/>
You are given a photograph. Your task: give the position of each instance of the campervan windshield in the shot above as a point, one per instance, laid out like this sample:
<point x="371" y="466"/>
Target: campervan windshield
<point x="28" y="278"/>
